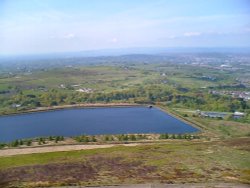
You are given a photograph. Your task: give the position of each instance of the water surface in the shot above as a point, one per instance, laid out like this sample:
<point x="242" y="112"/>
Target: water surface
<point x="90" y="121"/>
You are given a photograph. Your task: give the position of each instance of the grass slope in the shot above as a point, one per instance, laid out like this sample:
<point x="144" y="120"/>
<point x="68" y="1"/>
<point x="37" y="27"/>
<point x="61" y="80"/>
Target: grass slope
<point x="173" y="162"/>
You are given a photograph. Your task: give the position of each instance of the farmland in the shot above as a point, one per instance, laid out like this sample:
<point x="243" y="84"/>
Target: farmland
<point x="132" y="79"/>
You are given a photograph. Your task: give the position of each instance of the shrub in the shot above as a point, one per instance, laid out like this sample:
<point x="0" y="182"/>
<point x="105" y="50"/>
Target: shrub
<point x="57" y="139"/>
<point x="2" y="145"/>
<point x="132" y="137"/>
<point x="179" y="136"/>
<point x="106" y="138"/>
<point x="93" y="139"/>
<point x="141" y="136"/>
<point x="164" y="136"/>
<point x="29" y="142"/>
<point x="15" y="143"/>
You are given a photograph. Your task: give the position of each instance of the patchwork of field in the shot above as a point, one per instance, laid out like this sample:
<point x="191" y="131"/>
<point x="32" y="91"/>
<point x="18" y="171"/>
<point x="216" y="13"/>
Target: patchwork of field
<point x="95" y="77"/>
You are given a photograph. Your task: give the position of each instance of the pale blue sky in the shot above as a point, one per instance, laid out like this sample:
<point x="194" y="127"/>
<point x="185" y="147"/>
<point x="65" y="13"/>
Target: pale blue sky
<point x="45" y="26"/>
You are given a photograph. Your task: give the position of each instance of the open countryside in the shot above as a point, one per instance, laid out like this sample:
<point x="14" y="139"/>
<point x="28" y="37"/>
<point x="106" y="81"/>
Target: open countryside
<point x="222" y="121"/>
<point x="125" y="94"/>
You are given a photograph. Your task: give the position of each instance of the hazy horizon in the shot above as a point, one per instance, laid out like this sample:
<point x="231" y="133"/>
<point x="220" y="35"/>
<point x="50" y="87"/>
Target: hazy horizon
<point x="42" y="27"/>
<point x="131" y="51"/>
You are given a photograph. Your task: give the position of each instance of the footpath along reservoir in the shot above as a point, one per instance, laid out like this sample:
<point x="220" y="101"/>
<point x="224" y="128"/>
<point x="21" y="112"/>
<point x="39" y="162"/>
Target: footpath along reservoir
<point x="90" y="121"/>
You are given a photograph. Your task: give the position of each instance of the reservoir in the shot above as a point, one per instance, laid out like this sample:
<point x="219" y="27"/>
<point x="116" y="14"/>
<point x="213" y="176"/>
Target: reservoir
<point x="90" y="121"/>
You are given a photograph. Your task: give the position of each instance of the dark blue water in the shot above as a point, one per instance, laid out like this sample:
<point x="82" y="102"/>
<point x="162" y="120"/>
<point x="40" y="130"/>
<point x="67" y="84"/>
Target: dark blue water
<point x="90" y="121"/>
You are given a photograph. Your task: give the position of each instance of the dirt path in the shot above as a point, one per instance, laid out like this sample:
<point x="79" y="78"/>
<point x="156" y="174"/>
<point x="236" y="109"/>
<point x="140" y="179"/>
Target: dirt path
<point x="19" y="151"/>
<point x="195" y="185"/>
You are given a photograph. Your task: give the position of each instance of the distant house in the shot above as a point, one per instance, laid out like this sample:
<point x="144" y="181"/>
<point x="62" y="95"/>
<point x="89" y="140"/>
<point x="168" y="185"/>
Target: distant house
<point x="62" y="86"/>
<point x="226" y="66"/>
<point x="211" y="114"/>
<point x="85" y="90"/>
<point x="15" y="105"/>
<point x="237" y="115"/>
<point x="222" y="115"/>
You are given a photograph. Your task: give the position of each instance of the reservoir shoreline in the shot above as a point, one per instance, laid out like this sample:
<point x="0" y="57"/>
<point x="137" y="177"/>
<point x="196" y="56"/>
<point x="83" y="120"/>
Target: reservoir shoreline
<point x="177" y="116"/>
<point x="73" y="106"/>
<point x="128" y="119"/>
<point x="103" y="105"/>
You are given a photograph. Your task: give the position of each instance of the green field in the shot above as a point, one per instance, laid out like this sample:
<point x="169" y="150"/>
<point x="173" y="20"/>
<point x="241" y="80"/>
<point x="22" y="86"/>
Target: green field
<point x="179" y="86"/>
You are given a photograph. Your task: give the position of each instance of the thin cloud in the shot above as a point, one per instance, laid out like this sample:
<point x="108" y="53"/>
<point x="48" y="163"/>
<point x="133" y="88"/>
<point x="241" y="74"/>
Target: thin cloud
<point x="191" y="34"/>
<point x="69" y="36"/>
<point x="114" y="40"/>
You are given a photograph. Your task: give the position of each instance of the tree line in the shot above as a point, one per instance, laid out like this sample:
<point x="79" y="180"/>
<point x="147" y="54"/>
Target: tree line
<point x="142" y="95"/>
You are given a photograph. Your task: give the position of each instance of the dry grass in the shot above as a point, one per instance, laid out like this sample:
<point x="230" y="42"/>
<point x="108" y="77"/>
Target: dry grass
<point x="226" y="161"/>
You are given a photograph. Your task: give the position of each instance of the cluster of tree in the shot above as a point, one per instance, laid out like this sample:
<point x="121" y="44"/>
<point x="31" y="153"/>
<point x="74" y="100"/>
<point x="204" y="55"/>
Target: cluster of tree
<point x="125" y="137"/>
<point x="84" y="138"/>
<point x="2" y="145"/>
<point x="58" y="138"/>
<point x="178" y="136"/>
<point x="228" y="86"/>
<point x="132" y="137"/>
<point x="17" y="143"/>
<point x="107" y="138"/>
<point x="142" y="95"/>
<point x="42" y="140"/>
<point x="28" y="142"/>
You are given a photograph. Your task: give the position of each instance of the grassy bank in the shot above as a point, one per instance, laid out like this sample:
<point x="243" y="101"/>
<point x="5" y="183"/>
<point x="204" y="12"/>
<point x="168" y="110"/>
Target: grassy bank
<point x="178" y="116"/>
<point x="211" y="128"/>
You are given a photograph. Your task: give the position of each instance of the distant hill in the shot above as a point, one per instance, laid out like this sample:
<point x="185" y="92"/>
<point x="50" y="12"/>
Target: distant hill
<point x="130" y="51"/>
